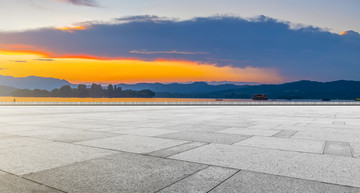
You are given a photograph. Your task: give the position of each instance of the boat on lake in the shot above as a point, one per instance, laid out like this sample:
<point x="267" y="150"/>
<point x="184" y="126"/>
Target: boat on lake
<point x="259" y="97"/>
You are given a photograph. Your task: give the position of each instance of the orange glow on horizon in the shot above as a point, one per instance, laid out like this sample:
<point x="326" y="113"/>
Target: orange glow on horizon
<point x="88" y="69"/>
<point x="73" y="28"/>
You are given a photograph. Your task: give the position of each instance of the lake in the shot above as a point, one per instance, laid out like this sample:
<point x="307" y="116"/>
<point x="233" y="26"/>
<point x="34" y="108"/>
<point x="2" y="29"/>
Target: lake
<point x="60" y="99"/>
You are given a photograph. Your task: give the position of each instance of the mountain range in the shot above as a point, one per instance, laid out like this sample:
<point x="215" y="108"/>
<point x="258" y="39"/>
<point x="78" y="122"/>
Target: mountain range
<point x="32" y="82"/>
<point x="305" y="89"/>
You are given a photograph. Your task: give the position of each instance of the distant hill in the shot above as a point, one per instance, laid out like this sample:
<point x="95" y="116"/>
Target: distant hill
<point x="196" y="87"/>
<point x="6" y="90"/>
<point x="341" y="89"/>
<point x="32" y="82"/>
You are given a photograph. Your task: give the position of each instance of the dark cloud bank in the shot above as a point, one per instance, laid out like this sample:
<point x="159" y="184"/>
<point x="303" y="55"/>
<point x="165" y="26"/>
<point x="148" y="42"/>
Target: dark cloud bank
<point x="301" y="53"/>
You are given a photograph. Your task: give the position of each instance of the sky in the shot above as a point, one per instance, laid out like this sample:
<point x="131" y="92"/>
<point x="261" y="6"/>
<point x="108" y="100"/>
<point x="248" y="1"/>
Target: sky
<point x="124" y="41"/>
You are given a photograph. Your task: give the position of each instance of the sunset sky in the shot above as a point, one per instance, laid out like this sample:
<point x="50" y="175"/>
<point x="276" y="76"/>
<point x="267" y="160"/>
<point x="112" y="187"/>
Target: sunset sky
<point x="123" y="41"/>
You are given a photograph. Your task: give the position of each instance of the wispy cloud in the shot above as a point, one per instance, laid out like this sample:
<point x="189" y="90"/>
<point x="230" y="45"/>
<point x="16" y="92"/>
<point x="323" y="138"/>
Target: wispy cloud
<point x="90" y="3"/>
<point x="20" y="61"/>
<point x="45" y="60"/>
<point x="166" y="52"/>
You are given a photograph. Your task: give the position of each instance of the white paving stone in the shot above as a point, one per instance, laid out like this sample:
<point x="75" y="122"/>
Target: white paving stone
<point x="260" y="132"/>
<point x="338" y="148"/>
<point x="202" y="181"/>
<point x="11" y="142"/>
<point x="208" y="137"/>
<point x="121" y="172"/>
<point x="355" y="149"/>
<point x="329" y="134"/>
<point x="330" y="169"/>
<point x="28" y="159"/>
<point x="177" y="149"/>
<point x="135" y="144"/>
<point x="63" y="135"/>
<point x="281" y="161"/>
<point x="301" y="145"/>
<point x="147" y="132"/>
<point x="253" y="182"/>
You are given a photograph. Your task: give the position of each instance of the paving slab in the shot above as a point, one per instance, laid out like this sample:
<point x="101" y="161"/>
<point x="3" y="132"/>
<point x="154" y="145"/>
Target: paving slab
<point x="63" y="135"/>
<point x="260" y="132"/>
<point x="177" y="149"/>
<point x="253" y="182"/>
<point x="202" y="181"/>
<point x="4" y="135"/>
<point x="122" y="172"/>
<point x="134" y="144"/>
<point x="300" y="145"/>
<point x="150" y="132"/>
<point x="264" y="125"/>
<point x="355" y="149"/>
<point x="15" y="141"/>
<point x="338" y="148"/>
<point x="15" y="184"/>
<point x="28" y="159"/>
<point x="329" y="134"/>
<point x="285" y="133"/>
<point x="323" y="168"/>
<point x="208" y="137"/>
<point x="196" y="127"/>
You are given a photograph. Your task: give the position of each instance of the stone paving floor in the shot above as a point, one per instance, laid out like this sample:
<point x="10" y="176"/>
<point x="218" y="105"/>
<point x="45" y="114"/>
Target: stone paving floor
<point x="246" y="149"/>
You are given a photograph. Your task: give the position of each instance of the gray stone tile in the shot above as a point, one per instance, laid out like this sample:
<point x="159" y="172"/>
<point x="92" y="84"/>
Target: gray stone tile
<point x="177" y="149"/>
<point x="253" y="182"/>
<point x="64" y="135"/>
<point x="355" y="149"/>
<point x="122" y="172"/>
<point x="264" y="125"/>
<point x="4" y="135"/>
<point x="202" y="181"/>
<point x="301" y="145"/>
<point x="338" y="123"/>
<point x="337" y="148"/>
<point x="330" y="169"/>
<point x="260" y="132"/>
<point x="203" y="136"/>
<point x="329" y="134"/>
<point x="285" y="133"/>
<point x="196" y="127"/>
<point x="11" y="142"/>
<point x="134" y="144"/>
<point x="24" y="160"/>
<point x="14" y="184"/>
<point x="150" y="132"/>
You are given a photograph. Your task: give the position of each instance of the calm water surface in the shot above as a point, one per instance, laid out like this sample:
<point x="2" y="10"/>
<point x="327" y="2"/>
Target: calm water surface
<point x="58" y="99"/>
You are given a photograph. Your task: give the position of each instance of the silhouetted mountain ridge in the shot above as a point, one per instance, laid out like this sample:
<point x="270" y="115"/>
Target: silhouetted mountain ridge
<point x="6" y="90"/>
<point x="305" y="89"/>
<point x="196" y="87"/>
<point x="32" y="82"/>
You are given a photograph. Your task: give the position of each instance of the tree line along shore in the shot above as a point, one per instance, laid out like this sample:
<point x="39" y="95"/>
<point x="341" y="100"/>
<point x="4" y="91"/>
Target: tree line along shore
<point x="82" y="91"/>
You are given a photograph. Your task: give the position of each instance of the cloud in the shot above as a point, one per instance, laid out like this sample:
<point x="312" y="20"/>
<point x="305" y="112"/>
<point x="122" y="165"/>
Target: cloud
<point x="90" y="3"/>
<point x="44" y="60"/>
<point x="301" y="52"/>
<point x="166" y="52"/>
<point x="20" y="61"/>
